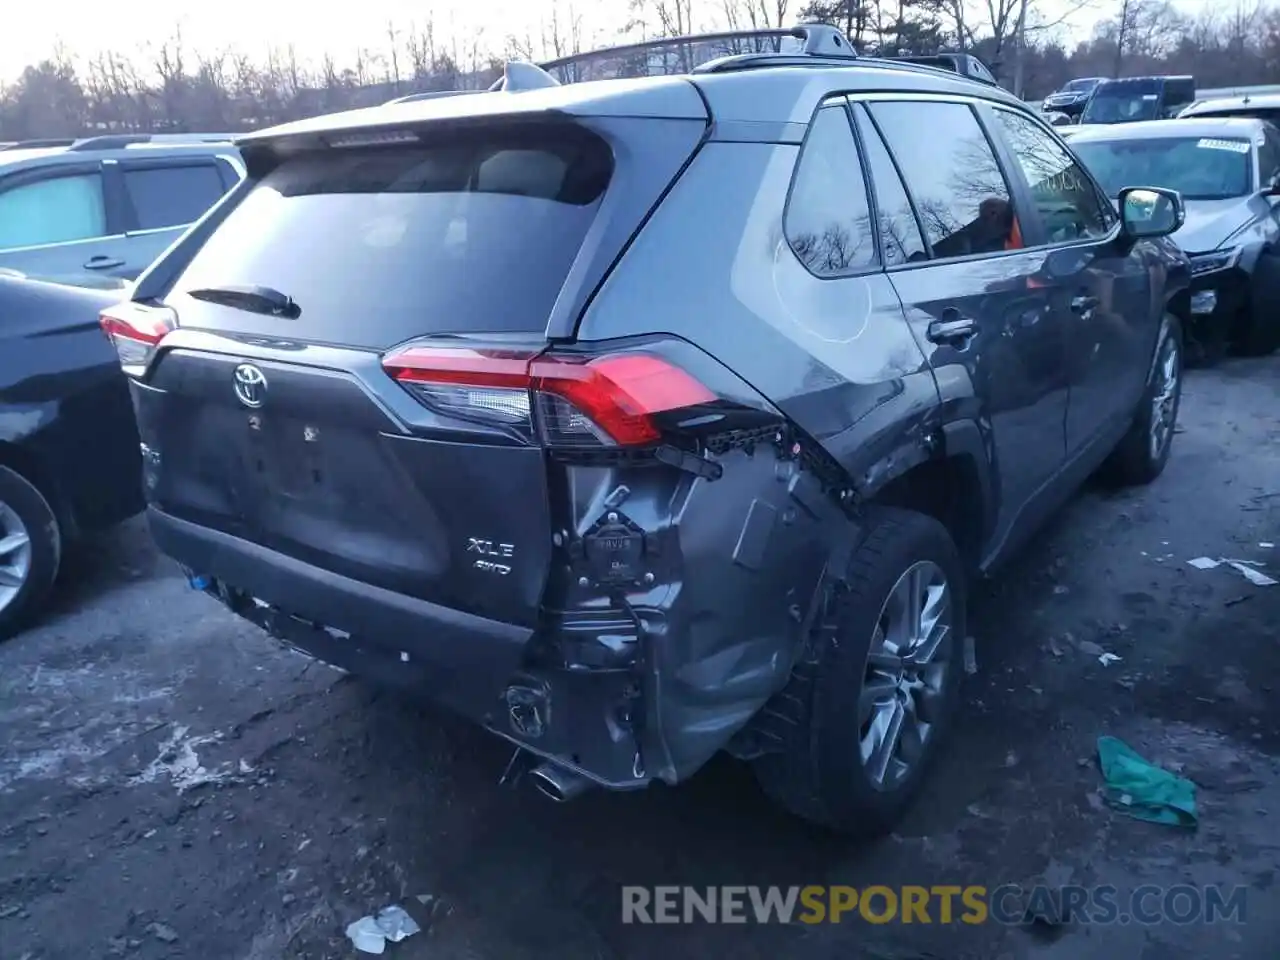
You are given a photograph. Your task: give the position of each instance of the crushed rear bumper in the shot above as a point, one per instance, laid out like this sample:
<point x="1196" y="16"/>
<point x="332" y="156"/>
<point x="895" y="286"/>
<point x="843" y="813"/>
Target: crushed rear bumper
<point x="470" y="664"/>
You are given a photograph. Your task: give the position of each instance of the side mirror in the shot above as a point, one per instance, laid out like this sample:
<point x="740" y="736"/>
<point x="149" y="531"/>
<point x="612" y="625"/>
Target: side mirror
<point x="1150" y="212"/>
<point x="1272" y="189"/>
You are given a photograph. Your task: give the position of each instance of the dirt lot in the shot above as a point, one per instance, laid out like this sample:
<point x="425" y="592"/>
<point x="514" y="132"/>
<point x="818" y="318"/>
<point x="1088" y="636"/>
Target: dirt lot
<point x="175" y="785"/>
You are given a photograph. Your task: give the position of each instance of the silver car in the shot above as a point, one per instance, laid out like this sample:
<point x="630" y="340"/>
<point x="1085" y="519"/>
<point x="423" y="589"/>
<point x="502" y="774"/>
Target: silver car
<point x="1228" y="172"/>
<point x="107" y="206"/>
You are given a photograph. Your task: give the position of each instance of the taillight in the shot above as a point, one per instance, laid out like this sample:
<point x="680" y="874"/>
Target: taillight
<point x="562" y="400"/>
<point x="135" y="330"/>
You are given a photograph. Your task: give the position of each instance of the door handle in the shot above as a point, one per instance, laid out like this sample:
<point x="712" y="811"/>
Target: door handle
<point x="103" y="262"/>
<point x="953" y="329"/>
<point x="1083" y="304"/>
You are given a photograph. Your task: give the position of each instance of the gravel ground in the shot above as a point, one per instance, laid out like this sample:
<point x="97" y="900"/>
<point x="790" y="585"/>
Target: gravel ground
<point x="176" y="785"/>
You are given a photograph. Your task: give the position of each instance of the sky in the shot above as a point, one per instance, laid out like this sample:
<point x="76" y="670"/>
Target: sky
<point x="86" y="27"/>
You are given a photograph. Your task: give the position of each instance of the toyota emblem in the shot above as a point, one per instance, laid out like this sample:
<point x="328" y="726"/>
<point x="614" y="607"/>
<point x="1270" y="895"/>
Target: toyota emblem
<point x="250" y="385"/>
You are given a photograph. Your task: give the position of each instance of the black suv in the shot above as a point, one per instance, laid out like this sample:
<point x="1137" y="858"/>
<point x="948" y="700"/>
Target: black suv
<point x="647" y="418"/>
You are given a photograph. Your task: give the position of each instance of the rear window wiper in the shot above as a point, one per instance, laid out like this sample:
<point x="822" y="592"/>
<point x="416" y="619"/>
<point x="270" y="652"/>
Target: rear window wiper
<point x="254" y="299"/>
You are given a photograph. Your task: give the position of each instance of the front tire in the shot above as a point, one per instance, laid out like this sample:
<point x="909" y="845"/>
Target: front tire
<point x="30" y="551"/>
<point x="1141" y="455"/>
<point x="870" y="705"/>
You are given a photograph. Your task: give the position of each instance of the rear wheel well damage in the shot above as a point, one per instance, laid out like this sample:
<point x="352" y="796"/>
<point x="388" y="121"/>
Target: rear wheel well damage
<point x="950" y="491"/>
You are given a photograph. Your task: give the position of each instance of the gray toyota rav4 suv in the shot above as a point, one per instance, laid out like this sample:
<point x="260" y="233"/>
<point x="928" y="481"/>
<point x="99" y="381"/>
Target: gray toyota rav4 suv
<point x="640" y="419"/>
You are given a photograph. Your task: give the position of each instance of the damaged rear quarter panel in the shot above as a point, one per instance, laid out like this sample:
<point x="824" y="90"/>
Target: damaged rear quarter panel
<point x="732" y="286"/>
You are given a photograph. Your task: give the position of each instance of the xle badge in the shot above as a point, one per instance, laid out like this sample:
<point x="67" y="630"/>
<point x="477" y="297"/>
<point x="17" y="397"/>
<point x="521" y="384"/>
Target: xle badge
<point x="490" y="553"/>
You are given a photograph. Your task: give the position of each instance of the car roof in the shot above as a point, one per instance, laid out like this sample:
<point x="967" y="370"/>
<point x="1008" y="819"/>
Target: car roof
<point x="14" y="158"/>
<point x="1234" y="103"/>
<point x="1162" y="78"/>
<point x="1157" y="129"/>
<point x="787" y="92"/>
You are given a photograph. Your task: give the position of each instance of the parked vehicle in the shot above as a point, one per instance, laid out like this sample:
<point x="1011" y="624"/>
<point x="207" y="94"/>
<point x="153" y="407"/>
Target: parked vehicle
<point x="107" y="205"/>
<point x="1071" y="99"/>
<point x="1228" y="172"/>
<point x="1138" y="98"/>
<point x="1264" y="106"/>
<point x="629" y="420"/>
<point x="69" y="456"/>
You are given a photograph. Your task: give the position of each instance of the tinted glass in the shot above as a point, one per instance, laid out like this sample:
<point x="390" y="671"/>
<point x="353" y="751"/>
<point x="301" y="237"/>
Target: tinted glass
<point x="900" y="237"/>
<point x="54" y="210"/>
<point x="1080" y="86"/>
<point x="952" y="173"/>
<point x="1269" y="156"/>
<point x="828" y="221"/>
<point x="172" y="196"/>
<point x="1068" y="202"/>
<point x="1201" y="168"/>
<point x="379" y="244"/>
<point x="1123" y="103"/>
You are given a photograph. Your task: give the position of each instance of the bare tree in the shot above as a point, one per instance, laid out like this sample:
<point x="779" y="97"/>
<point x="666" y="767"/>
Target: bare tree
<point x="169" y="63"/>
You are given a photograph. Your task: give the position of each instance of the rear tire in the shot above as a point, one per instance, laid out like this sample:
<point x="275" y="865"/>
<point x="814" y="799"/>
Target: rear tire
<point x="30" y="551"/>
<point x="1141" y="455"/>
<point x="1259" y="333"/>
<point x="849" y="686"/>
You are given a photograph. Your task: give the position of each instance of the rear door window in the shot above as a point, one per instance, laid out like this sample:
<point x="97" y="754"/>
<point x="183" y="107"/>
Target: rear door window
<point x="55" y="209"/>
<point x="378" y="244"/>
<point x="953" y="175"/>
<point x="171" y="196"/>
<point x="828" y="220"/>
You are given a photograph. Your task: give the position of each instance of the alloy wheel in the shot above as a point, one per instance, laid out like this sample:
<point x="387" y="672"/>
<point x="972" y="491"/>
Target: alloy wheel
<point x="904" y="685"/>
<point x="15" y="555"/>
<point x="1164" y="397"/>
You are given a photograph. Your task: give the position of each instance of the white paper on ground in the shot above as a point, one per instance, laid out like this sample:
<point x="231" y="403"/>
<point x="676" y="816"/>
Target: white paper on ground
<point x="1244" y="567"/>
<point x="1256" y="577"/>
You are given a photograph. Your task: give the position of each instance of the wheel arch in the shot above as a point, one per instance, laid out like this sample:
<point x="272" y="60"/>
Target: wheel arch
<point x="27" y="464"/>
<point x="953" y="482"/>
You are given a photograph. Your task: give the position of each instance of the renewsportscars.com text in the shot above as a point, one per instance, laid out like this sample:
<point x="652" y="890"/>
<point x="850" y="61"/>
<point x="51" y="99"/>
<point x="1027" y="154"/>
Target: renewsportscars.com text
<point x="939" y="904"/>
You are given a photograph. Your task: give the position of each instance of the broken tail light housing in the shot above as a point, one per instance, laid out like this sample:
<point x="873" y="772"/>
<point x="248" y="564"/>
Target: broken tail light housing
<point x="561" y="400"/>
<point x="135" y="330"/>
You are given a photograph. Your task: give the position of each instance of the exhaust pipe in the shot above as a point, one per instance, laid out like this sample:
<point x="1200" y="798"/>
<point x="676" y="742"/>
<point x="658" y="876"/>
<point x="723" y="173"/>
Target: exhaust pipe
<point x="559" y="784"/>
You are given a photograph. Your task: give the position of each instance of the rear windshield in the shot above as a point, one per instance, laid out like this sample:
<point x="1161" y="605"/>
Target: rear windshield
<point x="378" y="244"/>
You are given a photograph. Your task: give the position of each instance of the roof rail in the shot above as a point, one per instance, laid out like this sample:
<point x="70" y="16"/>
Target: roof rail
<point x="118" y="141"/>
<point x="965" y="64"/>
<point x="38" y="143"/>
<point x="816" y="40"/>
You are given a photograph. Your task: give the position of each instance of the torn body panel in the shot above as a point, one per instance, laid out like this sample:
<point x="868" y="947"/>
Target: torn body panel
<point x="662" y="652"/>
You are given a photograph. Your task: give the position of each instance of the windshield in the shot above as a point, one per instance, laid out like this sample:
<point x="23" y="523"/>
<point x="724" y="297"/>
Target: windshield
<point x="1079" y="86"/>
<point x="1122" y="103"/>
<point x="1200" y="168"/>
